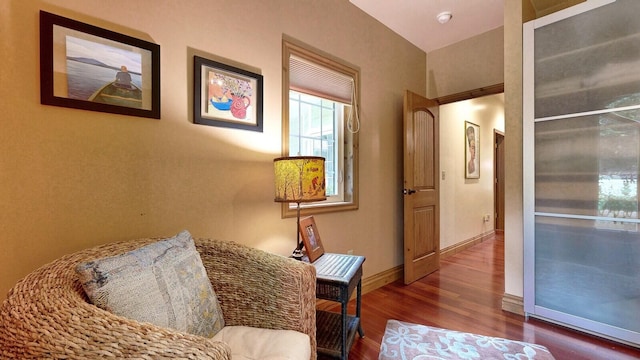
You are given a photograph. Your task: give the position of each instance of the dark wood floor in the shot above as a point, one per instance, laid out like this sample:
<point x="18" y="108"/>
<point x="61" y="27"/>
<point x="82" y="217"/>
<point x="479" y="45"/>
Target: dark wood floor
<point x="466" y="295"/>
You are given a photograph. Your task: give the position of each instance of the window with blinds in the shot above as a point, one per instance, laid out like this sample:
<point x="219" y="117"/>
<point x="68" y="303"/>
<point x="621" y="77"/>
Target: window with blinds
<point x="320" y="118"/>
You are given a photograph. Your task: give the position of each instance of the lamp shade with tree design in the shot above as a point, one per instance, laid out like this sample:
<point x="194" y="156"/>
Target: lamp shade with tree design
<point x="299" y="179"/>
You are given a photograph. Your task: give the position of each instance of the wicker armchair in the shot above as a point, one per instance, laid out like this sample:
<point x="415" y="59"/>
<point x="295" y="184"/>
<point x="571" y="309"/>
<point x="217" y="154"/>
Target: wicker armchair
<point x="47" y="314"/>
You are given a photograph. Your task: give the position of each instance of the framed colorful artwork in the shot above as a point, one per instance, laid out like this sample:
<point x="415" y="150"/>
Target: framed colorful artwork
<point x="311" y="238"/>
<point x="86" y="67"/>
<point x="226" y="96"/>
<point x="472" y="150"/>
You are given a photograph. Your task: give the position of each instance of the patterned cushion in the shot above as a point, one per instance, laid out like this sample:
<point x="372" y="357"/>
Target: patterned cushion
<point x="163" y="283"/>
<point x="404" y="340"/>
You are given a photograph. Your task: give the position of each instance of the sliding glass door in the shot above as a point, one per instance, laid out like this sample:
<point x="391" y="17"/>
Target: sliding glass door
<point x="582" y="155"/>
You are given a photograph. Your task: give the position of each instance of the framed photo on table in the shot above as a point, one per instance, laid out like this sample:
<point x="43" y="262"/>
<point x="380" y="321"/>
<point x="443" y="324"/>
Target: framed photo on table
<point x="86" y="67"/>
<point x="472" y="150"/>
<point x="311" y="238"/>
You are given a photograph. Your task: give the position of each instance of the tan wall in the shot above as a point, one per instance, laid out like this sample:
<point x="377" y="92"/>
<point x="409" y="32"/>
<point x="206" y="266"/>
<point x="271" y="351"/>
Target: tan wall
<point x="513" y="227"/>
<point x="70" y="179"/>
<point x="466" y="65"/>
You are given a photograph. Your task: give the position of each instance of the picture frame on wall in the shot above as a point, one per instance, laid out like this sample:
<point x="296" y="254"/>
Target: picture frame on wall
<point x="311" y="238"/>
<point x="472" y="150"/>
<point x="87" y="67"/>
<point x="226" y="96"/>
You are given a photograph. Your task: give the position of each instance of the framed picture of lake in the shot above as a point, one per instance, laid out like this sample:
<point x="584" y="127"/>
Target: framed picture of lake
<point x="86" y="67"/>
<point x="226" y="96"/>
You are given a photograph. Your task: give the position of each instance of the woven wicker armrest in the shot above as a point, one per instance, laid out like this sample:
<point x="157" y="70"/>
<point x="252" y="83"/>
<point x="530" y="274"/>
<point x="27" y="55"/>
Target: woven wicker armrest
<point x="47" y="315"/>
<point x="259" y="289"/>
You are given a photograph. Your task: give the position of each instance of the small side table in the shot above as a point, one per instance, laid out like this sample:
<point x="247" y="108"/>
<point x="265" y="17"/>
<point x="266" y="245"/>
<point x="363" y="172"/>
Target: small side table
<point x="337" y="276"/>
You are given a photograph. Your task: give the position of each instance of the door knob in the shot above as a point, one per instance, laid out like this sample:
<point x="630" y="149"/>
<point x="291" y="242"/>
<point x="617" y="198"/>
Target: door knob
<point x="408" y="191"/>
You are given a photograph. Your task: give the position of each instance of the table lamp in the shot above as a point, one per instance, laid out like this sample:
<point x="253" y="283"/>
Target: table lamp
<point x="299" y="179"/>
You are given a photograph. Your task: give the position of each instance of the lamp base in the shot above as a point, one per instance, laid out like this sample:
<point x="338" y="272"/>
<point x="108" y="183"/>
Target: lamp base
<point x="297" y="254"/>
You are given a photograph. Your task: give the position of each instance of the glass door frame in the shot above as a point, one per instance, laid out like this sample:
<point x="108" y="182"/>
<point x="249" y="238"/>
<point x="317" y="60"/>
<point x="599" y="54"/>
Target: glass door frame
<point x="529" y="213"/>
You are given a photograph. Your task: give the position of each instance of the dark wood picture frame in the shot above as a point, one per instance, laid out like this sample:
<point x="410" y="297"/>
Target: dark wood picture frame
<point x="226" y="96"/>
<point x="311" y="238"/>
<point x="87" y="67"/>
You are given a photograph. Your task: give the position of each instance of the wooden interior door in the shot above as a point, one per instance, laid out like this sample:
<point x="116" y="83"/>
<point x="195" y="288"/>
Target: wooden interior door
<point x="498" y="182"/>
<point x="421" y="187"/>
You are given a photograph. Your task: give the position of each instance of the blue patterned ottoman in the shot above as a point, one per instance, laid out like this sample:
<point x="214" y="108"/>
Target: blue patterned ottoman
<point x="406" y="341"/>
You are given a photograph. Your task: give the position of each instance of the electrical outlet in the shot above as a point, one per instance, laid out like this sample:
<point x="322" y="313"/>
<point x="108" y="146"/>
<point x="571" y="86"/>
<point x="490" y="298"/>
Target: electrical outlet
<point x="350" y="252"/>
<point x="486" y="218"/>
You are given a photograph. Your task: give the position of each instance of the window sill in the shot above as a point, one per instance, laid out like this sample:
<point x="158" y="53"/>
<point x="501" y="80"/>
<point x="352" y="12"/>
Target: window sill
<point x="320" y="208"/>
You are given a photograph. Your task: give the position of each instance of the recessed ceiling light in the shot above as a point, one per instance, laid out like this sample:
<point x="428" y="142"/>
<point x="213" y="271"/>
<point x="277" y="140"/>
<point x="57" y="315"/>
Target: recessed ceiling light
<point x="444" y="17"/>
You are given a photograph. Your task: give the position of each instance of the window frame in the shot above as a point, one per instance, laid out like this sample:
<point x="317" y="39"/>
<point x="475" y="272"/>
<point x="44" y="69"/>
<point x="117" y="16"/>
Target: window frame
<point x="349" y="151"/>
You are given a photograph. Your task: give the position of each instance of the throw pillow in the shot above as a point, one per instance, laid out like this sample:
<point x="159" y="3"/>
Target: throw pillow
<point x="163" y="283"/>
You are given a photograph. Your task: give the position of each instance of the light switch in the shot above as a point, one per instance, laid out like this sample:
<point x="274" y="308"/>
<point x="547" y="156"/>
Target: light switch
<point x="444" y="174"/>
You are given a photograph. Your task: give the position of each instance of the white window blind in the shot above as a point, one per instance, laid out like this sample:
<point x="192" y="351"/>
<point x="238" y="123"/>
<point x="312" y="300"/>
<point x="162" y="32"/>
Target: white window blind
<point x="313" y="79"/>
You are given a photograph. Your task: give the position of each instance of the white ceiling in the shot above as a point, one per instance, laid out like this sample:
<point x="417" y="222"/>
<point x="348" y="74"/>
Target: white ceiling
<point x="415" y="20"/>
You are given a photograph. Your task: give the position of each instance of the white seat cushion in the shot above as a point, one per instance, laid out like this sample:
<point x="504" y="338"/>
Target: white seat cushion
<point x="248" y="343"/>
